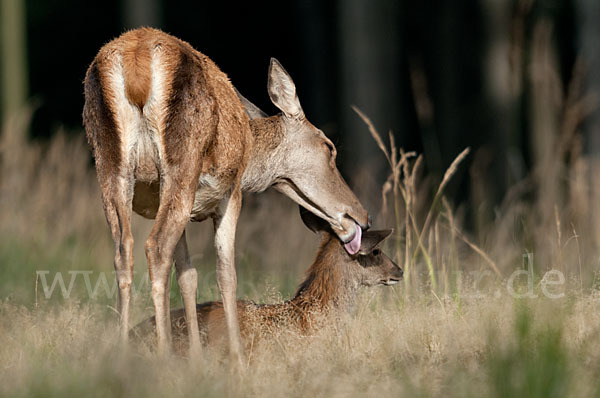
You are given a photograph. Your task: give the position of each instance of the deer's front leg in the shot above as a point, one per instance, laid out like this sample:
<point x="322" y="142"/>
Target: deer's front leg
<point x="187" y="278"/>
<point x="225" y="226"/>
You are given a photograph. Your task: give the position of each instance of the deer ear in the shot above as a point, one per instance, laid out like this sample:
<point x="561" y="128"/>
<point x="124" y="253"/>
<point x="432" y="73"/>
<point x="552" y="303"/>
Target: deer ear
<point x="312" y="222"/>
<point x="282" y="90"/>
<point x="252" y="110"/>
<point x="370" y="240"/>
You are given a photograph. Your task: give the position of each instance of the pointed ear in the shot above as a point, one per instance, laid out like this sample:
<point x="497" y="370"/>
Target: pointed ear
<point x="282" y="90"/>
<point x="370" y="240"/>
<point x="252" y="110"/>
<point x="312" y="222"/>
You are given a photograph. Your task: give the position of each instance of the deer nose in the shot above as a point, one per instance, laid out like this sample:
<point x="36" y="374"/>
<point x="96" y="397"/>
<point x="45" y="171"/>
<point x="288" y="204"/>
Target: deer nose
<point x="400" y="272"/>
<point x="364" y="224"/>
<point x="397" y="270"/>
<point x="364" y="220"/>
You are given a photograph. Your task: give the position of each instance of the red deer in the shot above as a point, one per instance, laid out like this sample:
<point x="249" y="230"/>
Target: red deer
<point x="173" y="142"/>
<point x="331" y="285"/>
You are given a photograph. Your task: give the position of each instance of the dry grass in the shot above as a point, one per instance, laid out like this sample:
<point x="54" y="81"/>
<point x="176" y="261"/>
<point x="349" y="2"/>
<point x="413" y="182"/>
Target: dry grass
<point x="478" y="347"/>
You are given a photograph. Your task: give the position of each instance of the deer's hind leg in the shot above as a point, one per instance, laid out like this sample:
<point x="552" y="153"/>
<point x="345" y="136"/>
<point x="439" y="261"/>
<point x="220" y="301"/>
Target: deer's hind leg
<point x="176" y="201"/>
<point x="116" y="183"/>
<point x="117" y="196"/>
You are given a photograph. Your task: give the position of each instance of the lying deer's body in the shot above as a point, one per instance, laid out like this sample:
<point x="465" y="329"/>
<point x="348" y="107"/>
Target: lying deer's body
<point x="173" y="142"/>
<point x="331" y="285"/>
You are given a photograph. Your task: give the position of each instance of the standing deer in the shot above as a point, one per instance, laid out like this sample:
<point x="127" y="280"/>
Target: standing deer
<point x="331" y="286"/>
<point x="172" y="140"/>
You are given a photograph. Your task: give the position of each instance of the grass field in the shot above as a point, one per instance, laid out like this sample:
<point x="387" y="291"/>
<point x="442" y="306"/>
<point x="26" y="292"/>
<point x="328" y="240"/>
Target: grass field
<point x="475" y="347"/>
<point x="510" y="310"/>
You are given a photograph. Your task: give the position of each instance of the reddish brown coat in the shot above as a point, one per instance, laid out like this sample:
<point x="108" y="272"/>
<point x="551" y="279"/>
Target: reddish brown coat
<point x="330" y="286"/>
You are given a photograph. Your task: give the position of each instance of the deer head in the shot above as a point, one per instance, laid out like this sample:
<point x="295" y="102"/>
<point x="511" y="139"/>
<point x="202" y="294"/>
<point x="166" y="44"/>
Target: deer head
<point x="368" y="267"/>
<point x="302" y="162"/>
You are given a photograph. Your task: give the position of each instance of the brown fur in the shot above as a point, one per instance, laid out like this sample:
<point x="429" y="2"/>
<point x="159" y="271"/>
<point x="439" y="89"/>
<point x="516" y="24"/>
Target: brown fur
<point x="136" y="68"/>
<point x="100" y="119"/>
<point x="267" y="133"/>
<point x="330" y="286"/>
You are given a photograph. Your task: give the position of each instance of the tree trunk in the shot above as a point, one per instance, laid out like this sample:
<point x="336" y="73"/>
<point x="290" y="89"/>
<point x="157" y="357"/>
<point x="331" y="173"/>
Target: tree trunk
<point x="13" y="60"/>
<point x="138" y="13"/>
<point x="369" y="56"/>
<point x="588" y="15"/>
<point x="502" y="73"/>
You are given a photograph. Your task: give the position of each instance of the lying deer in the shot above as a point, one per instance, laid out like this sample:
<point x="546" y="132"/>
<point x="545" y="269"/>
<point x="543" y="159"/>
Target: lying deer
<point x="331" y="285"/>
<point x="173" y="142"/>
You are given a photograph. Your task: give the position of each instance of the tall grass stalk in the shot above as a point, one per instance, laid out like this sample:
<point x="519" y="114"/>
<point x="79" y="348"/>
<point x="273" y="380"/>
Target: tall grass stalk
<point x="402" y="183"/>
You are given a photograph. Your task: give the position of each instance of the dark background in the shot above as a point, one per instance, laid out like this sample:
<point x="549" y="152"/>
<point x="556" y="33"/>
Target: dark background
<point x="442" y="75"/>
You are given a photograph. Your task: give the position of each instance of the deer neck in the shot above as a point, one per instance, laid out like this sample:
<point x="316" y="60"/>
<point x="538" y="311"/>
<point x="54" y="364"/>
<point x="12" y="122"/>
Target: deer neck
<point x="266" y="157"/>
<point x="328" y="284"/>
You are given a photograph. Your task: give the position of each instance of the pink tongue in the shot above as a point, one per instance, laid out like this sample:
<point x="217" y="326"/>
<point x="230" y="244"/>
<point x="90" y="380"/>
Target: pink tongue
<point x="353" y="246"/>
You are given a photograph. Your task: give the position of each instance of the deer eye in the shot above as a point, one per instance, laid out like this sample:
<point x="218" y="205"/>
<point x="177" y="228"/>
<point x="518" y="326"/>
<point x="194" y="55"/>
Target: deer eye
<point x="376" y="252"/>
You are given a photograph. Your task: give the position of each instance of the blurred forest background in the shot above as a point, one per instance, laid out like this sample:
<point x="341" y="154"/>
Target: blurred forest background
<point x="440" y="75"/>
<point x="517" y="81"/>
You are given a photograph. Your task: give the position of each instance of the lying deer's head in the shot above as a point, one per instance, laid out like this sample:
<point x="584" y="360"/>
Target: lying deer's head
<point x="302" y="164"/>
<point x="370" y="266"/>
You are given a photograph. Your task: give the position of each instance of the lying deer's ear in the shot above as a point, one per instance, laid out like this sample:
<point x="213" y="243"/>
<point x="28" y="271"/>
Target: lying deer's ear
<point x="282" y="90"/>
<point x="312" y="222"/>
<point x="252" y="110"/>
<point x="370" y="240"/>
